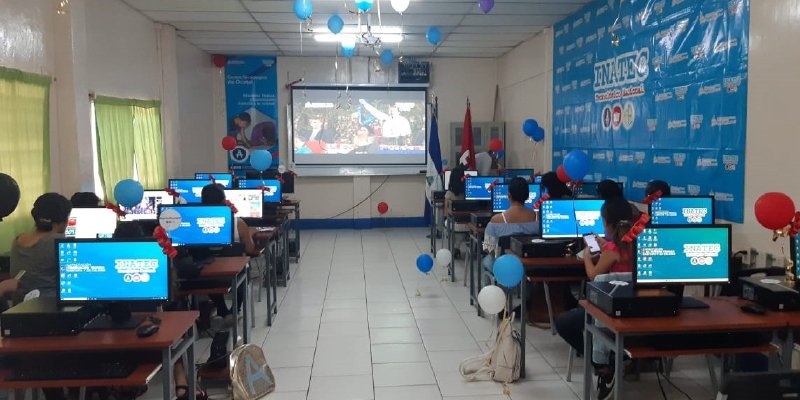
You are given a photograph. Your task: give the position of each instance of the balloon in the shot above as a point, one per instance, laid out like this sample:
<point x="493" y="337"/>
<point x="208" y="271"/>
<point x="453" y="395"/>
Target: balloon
<point x="486" y="5"/>
<point x="538" y="134"/>
<point x="128" y="193"/>
<point x="229" y="143"/>
<point x="281" y="169"/>
<point x="364" y="5"/>
<point x="576" y="164"/>
<point x="774" y="210"/>
<point x="529" y="127"/>
<point x="348" y="42"/>
<point x="495" y="145"/>
<point x="303" y="9"/>
<point x="434" y="35"/>
<point x="218" y="60"/>
<point x="400" y="5"/>
<point x="260" y="160"/>
<point x="335" y="23"/>
<point x="508" y="270"/>
<point x="387" y="56"/>
<point x="501" y="153"/>
<point x="562" y="175"/>
<point x="443" y="257"/>
<point x="492" y="299"/>
<point x="348" y="53"/>
<point x="383" y="207"/>
<point x="9" y="195"/>
<point x="425" y="263"/>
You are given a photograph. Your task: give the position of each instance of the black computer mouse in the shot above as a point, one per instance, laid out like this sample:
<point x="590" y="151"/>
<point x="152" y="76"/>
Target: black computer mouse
<point x="753" y="308"/>
<point x="146" y="330"/>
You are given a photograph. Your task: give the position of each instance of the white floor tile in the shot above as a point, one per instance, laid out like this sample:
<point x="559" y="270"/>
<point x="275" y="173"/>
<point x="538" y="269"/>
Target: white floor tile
<point x="341" y="388"/>
<point x="403" y="374"/>
<point x="290" y="357"/>
<point x="398" y="353"/>
<point x="377" y="308"/>
<point x="336" y="329"/>
<point x="394" y="335"/>
<point x="392" y="321"/>
<point x="448" y="361"/>
<point x="425" y="392"/>
<point x="291" y="379"/>
<point x="287" y="396"/>
<point x="449" y="342"/>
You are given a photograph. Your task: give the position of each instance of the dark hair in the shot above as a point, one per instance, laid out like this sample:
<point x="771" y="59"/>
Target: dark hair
<point x="128" y="230"/>
<point x="518" y="190"/>
<point x="608" y="189"/>
<point x="245" y="117"/>
<point x="49" y="209"/>
<point x="85" y="200"/>
<point x="618" y="215"/>
<point x="213" y="194"/>
<point x="456" y="184"/>
<point x="656" y="185"/>
<point x="554" y="186"/>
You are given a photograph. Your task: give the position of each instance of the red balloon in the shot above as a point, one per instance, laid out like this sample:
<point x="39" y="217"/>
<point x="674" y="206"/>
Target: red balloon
<point x="562" y="175"/>
<point x="495" y="145"/>
<point x="218" y="60"/>
<point x="774" y="210"/>
<point x="383" y="208"/>
<point x="229" y="143"/>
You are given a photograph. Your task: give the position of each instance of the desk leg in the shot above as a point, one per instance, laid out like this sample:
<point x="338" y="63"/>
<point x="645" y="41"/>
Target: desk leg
<point x="587" y="359"/>
<point x="451" y="242"/>
<point x="235" y="309"/>
<point x="191" y="375"/>
<point x="471" y="270"/>
<point x="619" y="368"/>
<point x="787" y="349"/>
<point x="268" y="280"/>
<point x="246" y="308"/>
<point x="549" y="303"/>
<point x="433" y="224"/>
<point x="286" y="251"/>
<point x="274" y="282"/>
<point x="166" y="372"/>
<point x="523" y="321"/>
<point x="297" y="229"/>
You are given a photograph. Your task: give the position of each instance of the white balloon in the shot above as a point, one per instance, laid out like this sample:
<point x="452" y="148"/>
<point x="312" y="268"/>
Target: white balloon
<point x="400" y="5"/>
<point x="492" y="299"/>
<point x="281" y="169"/>
<point x="443" y="257"/>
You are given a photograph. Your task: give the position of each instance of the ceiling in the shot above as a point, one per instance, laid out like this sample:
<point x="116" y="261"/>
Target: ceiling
<point x="270" y="26"/>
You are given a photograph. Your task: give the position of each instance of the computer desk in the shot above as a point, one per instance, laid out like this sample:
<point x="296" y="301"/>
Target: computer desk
<point x="175" y="337"/>
<point x="267" y="238"/>
<point x="294" y="207"/>
<point x="474" y="264"/>
<point x="437" y="207"/>
<point x="451" y="217"/>
<point x="281" y="218"/>
<point x="723" y="315"/>
<point x="546" y="270"/>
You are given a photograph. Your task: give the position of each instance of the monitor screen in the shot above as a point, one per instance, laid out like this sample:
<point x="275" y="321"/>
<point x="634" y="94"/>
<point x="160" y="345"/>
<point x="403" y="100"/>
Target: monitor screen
<point x="447" y="177"/>
<point x="148" y="208"/>
<point x="534" y="191"/>
<point x="500" y="200"/>
<point x="587" y="216"/>
<point x="793" y="251"/>
<point x="558" y="219"/>
<point x="477" y="187"/>
<point x="683" y="254"/>
<point x="91" y="223"/>
<point x="197" y="225"/>
<point x="521" y="173"/>
<point x="189" y="189"/>
<point x="249" y="203"/>
<point x="223" y="178"/>
<point x="682" y="211"/>
<point x="537" y="179"/>
<point x="112" y="270"/>
<point x="589" y="189"/>
<point x="273" y="192"/>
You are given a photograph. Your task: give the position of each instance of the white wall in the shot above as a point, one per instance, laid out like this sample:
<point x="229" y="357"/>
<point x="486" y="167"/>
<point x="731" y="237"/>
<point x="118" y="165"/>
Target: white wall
<point x="27" y="35"/>
<point x="195" y="105"/>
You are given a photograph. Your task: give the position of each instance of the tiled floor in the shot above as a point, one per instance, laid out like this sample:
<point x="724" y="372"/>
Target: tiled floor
<point x="358" y="321"/>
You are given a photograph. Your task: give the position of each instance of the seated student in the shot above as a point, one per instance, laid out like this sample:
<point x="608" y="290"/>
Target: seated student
<point x="608" y="189"/>
<point x="517" y="220"/>
<point x="554" y="187"/>
<point x="658" y="185"/>
<point x="455" y="191"/>
<point x="84" y="200"/>
<point x="614" y="262"/>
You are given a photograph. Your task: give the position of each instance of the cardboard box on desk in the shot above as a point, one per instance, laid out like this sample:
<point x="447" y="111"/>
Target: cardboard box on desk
<point x="622" y="299"/>
<point x="771" y="292"/>
<point x="535" y="247"/>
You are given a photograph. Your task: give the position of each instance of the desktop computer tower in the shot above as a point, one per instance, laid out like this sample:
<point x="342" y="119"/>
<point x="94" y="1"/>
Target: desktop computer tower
<point x="534" y="246"/>
<point x="480" y="219"/>
<point x="771" y="292"/>
<point x="623" y="299"/>
<point x="43" y="316"/>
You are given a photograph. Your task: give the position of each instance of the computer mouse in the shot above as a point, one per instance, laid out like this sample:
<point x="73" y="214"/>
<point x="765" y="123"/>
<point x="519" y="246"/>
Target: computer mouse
<point x="752" y="308"/>
<point x="146" y="330"/>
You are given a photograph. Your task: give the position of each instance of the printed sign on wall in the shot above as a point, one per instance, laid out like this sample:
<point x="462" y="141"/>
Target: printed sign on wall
<point x="251" y="98"/>
<point x="656" y="89"/>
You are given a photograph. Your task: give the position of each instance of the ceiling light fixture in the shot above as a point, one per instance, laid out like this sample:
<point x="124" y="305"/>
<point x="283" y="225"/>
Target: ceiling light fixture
<point x="364" y="38"/>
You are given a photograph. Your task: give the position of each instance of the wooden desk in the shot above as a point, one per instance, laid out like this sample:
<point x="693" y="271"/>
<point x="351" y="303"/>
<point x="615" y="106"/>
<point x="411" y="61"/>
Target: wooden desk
<point x="723" y="315"/>
<point x="174" y="338"/>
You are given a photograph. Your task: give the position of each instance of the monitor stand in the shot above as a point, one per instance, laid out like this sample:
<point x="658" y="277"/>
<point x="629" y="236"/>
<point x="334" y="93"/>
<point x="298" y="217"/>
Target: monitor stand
<point x="117" y="317"/>
<point x="692" y="303"/>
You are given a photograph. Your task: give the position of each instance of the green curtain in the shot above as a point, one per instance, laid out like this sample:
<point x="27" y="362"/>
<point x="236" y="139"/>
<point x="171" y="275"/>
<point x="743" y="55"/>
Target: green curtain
<point x="25" y="149"/>
<point x="128" y="129"/>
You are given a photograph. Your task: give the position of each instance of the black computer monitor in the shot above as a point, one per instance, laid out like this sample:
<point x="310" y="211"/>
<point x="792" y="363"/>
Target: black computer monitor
<point x="147" y="210"/>
<point x="569" y="219"/>
<point x="223" y="178"/>
<point x="198" y="225"/>
<point x="272" y="194"/>
<point x="589" y="189"/>
<point x="91" y="223"/>
<point x="477" y="187"/>
<point x="112" y="273"/>
<point x="189" y="189"/>
<point x="512" y="173"/>
<point x="249" y="203"/>
<point x="447" y="177"/>
<point x="682" y="210"/>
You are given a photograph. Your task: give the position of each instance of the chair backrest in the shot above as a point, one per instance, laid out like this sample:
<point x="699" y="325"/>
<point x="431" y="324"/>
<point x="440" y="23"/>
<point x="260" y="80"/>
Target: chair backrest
<point x="761" y="385"/>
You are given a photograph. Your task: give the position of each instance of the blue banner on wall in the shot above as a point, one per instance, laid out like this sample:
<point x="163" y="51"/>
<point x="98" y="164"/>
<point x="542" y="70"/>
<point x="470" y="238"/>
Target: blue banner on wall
<point x="656" y="89"/>
<point x="251" y="98"/>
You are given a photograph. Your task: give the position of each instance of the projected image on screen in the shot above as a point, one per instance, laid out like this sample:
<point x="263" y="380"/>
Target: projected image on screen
<point x="368" y="126"/>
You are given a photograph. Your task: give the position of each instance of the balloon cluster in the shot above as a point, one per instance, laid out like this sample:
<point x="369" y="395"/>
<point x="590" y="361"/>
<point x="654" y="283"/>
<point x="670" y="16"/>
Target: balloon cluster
<point x="495" y="145"/>
<point x="425" y="261"/>
<point x="165" y="242"/>
<point x="532" y="130"/>
<point x="637" y="228"/>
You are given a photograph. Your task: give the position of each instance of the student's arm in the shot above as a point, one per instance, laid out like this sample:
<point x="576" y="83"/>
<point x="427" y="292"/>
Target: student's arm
<point x="374" y="111"/>
<point x="8" y="286"/>
<point x="247" y="239"/>
<point x="607" y="259"/>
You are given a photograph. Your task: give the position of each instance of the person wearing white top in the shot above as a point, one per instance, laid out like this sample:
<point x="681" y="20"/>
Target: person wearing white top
<point x="393" y="125"/>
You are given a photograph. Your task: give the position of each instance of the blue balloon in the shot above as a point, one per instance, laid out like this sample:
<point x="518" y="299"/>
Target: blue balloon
<point x="387" y="56"/>
<point x="128" y="193"/>
<point x="538" y="134"/>
<point x="576" y="165"/>
<point x="508" y="270"/>
<point x="335" y="23"/>
<point x="303" y="9"/>
<point x="434" y="35"/>
<point x="348" y="53"/>
<point x="260" y="160"/>
<point x="364" y="5"/>
<point x="424" y="263"/>
<point x="501" y="153"/>
<point x="529" y="127"/>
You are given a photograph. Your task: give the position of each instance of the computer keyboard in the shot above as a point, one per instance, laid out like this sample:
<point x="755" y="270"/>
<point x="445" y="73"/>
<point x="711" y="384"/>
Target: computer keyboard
<point x="71" y="367"/>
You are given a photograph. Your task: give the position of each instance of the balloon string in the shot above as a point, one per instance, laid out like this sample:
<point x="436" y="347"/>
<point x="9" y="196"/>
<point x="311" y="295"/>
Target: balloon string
<point x="380" y="21"/>
<point x="301" y="38"/>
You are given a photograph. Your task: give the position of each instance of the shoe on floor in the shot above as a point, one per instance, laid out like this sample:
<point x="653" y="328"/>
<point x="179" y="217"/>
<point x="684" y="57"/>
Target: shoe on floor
<point x="605" y="386"/>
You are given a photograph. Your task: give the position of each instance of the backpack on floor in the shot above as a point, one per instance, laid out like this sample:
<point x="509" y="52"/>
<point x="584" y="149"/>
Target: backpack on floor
<point x="251" y="377"/>
<point x="502" y="362"/>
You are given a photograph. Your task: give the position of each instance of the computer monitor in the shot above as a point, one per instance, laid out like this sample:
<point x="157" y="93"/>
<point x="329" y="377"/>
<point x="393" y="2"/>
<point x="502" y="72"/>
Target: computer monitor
<point x="679" y="254"/>
<point x="537" y="179"/>
<point x="271" y="195"/>
<point x="288" y="182"/>
<point x="558" y="219"/>
<point x="516" y="172"/>
<point x="589" y="189"/>
<point x="249" y="203"/>
<point x="114" y="273"/>
<point x="682" y="210"/>
<point x="793" y="252"/>
<point x="500" y="200"/>
<point x="223" y="178"/>
<point x="148" y="208"/>
<point x="477" y="187"/>
<point x="197" y="225"/>
<point x="189" y="189"/>
<point x="534" y="192"/>
<point x="587" y="216"/>
<point x="447" y="177"/>
<point x="91" y="223"/>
